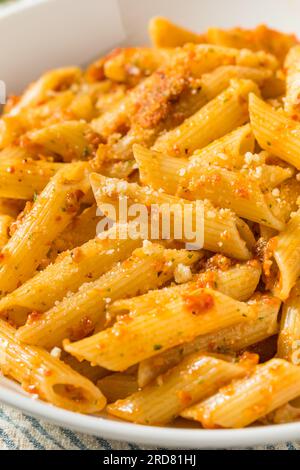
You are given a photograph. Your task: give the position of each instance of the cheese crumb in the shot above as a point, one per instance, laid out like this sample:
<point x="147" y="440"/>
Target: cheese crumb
<point x="148" y="247"/>
<point x="275" y="192"/>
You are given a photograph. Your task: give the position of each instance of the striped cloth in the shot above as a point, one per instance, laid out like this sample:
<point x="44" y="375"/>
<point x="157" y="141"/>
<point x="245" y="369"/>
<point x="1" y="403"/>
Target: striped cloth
<point x="21" y="432"/>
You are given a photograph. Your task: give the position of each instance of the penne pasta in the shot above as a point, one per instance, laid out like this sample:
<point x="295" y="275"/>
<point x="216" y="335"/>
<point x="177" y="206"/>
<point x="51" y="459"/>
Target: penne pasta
<point x="260" y="38"/>
<point x="117" y="386"/>
<point x="275" y="131"/>
<point x="164" y="33"/>
<point x="72" y="140"/>
<point x="292" y="65"/>
<point x="143" y="333"/>
<point x="82" y="265"/>
<point x="229" y="340"/>
<point x="149" y="230"/>
<point x="285" y="414"/>
<point x="220" y="116"/>
<point x="94" y="374"/>
<point x="284" y="249"/>
<point x="289" y="334"/>
<point x="23" y="179"/>
<point x="233" y="190"/>
<point x="170" y="83"/>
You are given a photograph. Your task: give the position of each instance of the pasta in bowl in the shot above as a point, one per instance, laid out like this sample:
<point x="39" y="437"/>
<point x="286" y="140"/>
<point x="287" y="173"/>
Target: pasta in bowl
<point x="150" y="327"/>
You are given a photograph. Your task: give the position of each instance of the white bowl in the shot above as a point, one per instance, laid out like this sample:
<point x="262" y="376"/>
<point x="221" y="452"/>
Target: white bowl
<point x="36" y="35"/>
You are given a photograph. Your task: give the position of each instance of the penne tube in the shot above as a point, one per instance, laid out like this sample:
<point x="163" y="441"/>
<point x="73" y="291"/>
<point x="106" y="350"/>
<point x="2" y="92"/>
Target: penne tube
<point x="195" y="378"/>
<point x="284" y="249"/>
<point x="228" y="340"/>
<point x="237" y="282"/>
<point x="149" y="231"/>
<point x="228" y="151"/>
<point x="236" y="190"/>
<point x="223" y="231"/>
<point x="45" y="376"/>
<point x="122" y="169"/>
<point x="220" y="116"/>
<point x="118" y="386"/>
<point x="175" y="89"/>
<point x="206" y="88"/>
<point x="292" y="66"/>
<point x="267" y="233"/>
<point x="11" y="128"/>
<point x="274" y="87"/>
<point x="127" y="66"/>
<point x="23" y="179"/>
<point x="11" y="207"/>
<point x="41" y="101"/>
<point x="71" y="140"/>
<point x="41" y="90"/>
<point x="289" y="334"/>
<point x="275" y="131"/>
<point x="260" y="38"/>
<point x="160" y="170"/>
<point x="78" y="314"/>
<point x="243" y="402"/>
<point x="56" y="108"/>
<point x="287" y="413"/>
<point x="288" y="194"/>
<point x="83" y="264"/>
<point x="144" y="333"/>
<point x="164" y="33"/>
<point x="80" y="230"/>
<point x="218" y="80"/>
<point x="83" y="368"/>
<point x="233" y="190"/>
<point x="52" y="211"/>
<point x="130" y="65"/>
